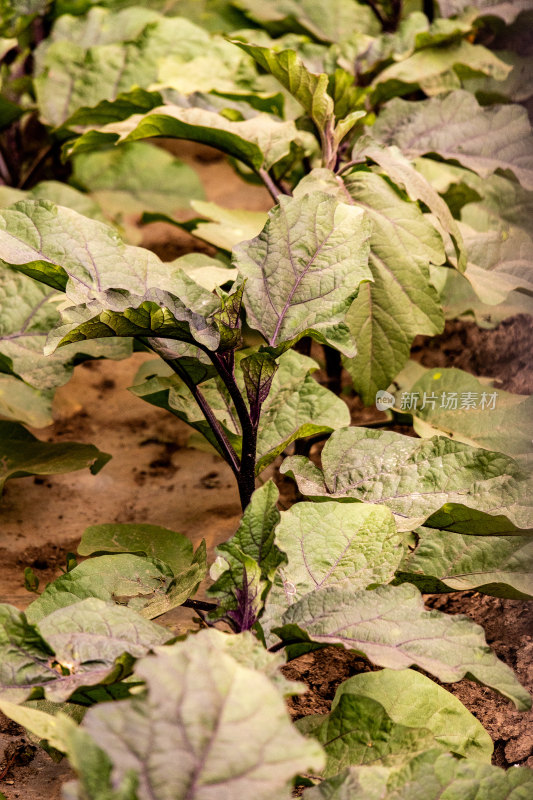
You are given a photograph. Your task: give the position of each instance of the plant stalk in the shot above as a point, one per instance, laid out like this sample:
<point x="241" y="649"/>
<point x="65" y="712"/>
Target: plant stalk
<point x="246" y="474"/>
<point x="222" y="440"/>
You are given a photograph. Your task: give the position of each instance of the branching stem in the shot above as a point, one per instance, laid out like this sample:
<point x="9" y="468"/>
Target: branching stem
<point x="222" y="440"/>
<point x="246" y="474"/>
<point x="271" y="185"/>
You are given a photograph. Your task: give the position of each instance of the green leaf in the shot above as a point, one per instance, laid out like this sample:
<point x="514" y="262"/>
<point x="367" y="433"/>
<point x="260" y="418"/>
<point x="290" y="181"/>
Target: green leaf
<point x="326" y="20"/>
<point x="173" y="548"/>
<point x="438" y="69"/>
<point x="113" y="289"/>
<point x="23" y="454"/>
<point x="23" y="331"/>
<point x="331" y="544"/>
<point x="40" y="723"/>
<point x="59" y="193"/>
<point x="201" y="704"/>
<point x="136" y="177"/>
<point x="392" y="629"/>
<point x="22" y="403"/>
<point x="458" y="405"/>
<point x="25" y="656"/>
<point x="106" y="578"/>
<point x="499" y="262"/>
<point x="304" y="270"/>
<point x="183" y="585"/>
<point x="359" y="731"/>
<point x="412" y="699"/>
<point x="80" y="645"/>
<point x="475" y="490"/>
<point x="457" y="128"/>
<point x="404" y="174"/>
<point x="260" y="142"/>
<point x="137" y="101"/>
<point x="87" y="60"/>
<point x="296" y="406"/>
<point x="227" y="227"/>
<point x="431" y="775"/>
<point x="501" y="566"/>
<point x="308" y="88"/>
<point x="400" y="302"/>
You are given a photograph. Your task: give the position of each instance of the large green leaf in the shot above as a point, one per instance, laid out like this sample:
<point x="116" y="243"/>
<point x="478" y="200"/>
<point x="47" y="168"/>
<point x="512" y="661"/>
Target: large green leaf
<point x="330" y="544"/>
<point x="76" y="646"/>
<point x="136" y="177"/>
<point x="359" y="731"/>
<point x="412" y="699"/>
<point x="439" y="69"/>
<point x="473" y="490"/>
<point x="25" y="325"/>
<point x="308" y="88"/>
<point x="304" y="270"/>
<point x="296" y="406"/>
<point x="260" y="142"/>
<point x="200" y="706"/>
<point x="457" y="128"/>
<point x="404" y="174"/>
<point x="457" y="404"/>
<point x="173" y="548"/>
<point x="23" y="454"/>
<point x="432" y="776"/>
<point x="499" y="262"/>
<point x="391" y="627"/>
<point x="113" y="289"/>
<point x="501" y="566"/>
<point x="110" y="577"/>
<point x="87" y="60"/>
<point x="326" y="20"/>
<point x="400" y="302"/>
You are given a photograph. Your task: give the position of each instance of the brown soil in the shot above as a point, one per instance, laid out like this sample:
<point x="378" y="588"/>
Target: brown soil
<point x="154" y="477"/>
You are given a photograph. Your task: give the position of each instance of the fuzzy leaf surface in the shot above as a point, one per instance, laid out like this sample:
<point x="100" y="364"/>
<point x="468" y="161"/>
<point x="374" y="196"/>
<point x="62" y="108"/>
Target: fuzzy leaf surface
<point x="391" y="627"/>
<point x="201" y="702"/>
<point x="484" y="416"/>
<point x="459" y="487"/>
<point x="106" y="578"/>
<point x="113" y="289"/>
<point x="72" y="647"/>
<point x="428" y="775"/>
<point x="304" y="270"/>
<point x="331" y="544"/>
<point x="457" y="128"/>
<point x="501" y="566"/>
<point x="412" y="699"/>
<point x="400" y="301"/>
<point x="260" y="141"/>
<point x="28" y="311"/>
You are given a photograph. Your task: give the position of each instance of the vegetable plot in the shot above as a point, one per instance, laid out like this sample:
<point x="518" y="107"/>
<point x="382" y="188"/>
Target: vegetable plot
<point x="396" y="158"/>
